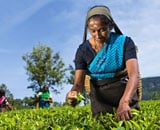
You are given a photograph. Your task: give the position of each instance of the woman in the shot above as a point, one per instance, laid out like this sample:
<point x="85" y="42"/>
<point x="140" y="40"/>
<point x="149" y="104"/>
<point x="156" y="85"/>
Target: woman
<point x="44" y="98"/>
<point x="109" y="57"/>
<point x="4" y="104"/>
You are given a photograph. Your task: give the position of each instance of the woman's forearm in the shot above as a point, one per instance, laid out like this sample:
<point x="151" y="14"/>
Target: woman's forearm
<point x="79" y="81"/>
<point x="132" y="84"/>
<point x="130" y="90"/>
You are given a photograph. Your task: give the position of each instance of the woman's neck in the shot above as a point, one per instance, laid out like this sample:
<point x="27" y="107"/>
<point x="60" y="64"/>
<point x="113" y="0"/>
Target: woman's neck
<point x="96" y="46"/>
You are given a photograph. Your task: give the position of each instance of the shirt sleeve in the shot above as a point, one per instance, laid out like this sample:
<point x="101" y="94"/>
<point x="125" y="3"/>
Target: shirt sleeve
<point x="130" y="49"/>
<point x="39" y="93"/>
<point x="79" y="60"/>
<point x="50" y="95"/>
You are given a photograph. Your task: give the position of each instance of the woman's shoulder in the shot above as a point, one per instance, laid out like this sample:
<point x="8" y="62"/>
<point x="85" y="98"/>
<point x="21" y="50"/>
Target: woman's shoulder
<point x="129" y="42"/>
<point x="84" y="46"/>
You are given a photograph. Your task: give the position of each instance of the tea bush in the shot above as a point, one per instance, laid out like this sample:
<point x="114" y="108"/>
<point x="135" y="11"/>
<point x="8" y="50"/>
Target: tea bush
<point x="80" y="118"/>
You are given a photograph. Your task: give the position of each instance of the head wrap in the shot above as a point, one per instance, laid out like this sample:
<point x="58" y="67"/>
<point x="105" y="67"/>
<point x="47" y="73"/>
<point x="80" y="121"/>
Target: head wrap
<point x="102" y="10"/>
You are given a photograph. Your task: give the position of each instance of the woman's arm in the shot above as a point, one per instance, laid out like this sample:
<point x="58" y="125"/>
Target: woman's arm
<point x="79" y="81"/>
<point x="77" y="87"/>
<point x="133" y="74"/>
<point x="123" y="111"/>
<point x="9" y="106"/>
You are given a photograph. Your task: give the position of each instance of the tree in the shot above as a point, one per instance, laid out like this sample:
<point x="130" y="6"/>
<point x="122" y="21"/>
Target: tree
<point x="28" y="102"/>
<point x="18" y="104"/>
<point x="70" y="78"/>
<point x="44" y="69"/>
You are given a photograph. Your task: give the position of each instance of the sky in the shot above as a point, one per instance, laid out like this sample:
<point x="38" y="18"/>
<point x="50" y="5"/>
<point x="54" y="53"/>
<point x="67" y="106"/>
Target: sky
<point x="59" y="24"/>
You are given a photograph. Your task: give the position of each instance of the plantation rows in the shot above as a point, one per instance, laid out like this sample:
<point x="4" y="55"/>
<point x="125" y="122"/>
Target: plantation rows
<point x="79" y="118"/>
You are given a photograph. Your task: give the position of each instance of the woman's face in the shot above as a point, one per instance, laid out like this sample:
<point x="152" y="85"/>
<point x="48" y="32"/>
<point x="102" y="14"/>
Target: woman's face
<point x="45" y="89"/>
<point x="98" y="30"/>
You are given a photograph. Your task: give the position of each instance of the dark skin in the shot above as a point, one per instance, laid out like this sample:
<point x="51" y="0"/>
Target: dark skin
<point x="99" y="35"/>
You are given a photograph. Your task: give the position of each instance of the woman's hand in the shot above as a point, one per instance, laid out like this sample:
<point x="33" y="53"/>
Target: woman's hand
<point x="71" y="98"/>
<point x="124" y="111"/>
<point x="50" y="100"/>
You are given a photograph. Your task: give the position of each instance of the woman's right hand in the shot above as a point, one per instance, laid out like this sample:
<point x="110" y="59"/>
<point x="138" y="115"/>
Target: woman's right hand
<point x="71" y="98"/>
<point x="78" y="86"/>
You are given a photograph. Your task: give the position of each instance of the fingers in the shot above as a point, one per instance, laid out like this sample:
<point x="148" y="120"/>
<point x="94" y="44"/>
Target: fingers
<point x="124" y="112"/>
<point x="72" y="94"/>
<point x="124" y="115"/>
<point x="71" y="98"/>
<point x="72" y="102"/>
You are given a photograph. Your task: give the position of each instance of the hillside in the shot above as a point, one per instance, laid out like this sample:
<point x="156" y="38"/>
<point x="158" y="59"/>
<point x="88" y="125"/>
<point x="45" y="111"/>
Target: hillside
<point x="150" y="87"/>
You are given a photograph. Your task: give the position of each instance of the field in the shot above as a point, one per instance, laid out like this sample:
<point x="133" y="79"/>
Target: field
<point x="79" y="118"/>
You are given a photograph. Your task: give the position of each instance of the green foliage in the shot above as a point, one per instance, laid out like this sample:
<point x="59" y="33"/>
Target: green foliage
<point x="80" y="118"/>
<point x="43" y="68"/>
<point x="29" y="102"/>
<point x="70" y="78"/>
<point x="155" y="95"/>
<point x="80" y="97"/>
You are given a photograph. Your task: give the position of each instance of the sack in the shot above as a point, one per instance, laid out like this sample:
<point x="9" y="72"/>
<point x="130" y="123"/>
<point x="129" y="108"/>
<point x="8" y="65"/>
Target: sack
<point x="139" y="87"/>
<point x="110" y="90"/>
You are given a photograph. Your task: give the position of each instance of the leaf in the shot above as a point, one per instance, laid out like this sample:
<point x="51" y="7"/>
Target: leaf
<point x="128" y="125"/>
<point x="136" y="125"/>
<point x="120" y="128"/>
<point x="120" y="123"/>
<point x="135" y="112"/>
<point x="80" y="97"/>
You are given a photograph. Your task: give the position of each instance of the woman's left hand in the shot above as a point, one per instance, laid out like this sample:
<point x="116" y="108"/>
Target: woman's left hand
<point x="124" y="111"/>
